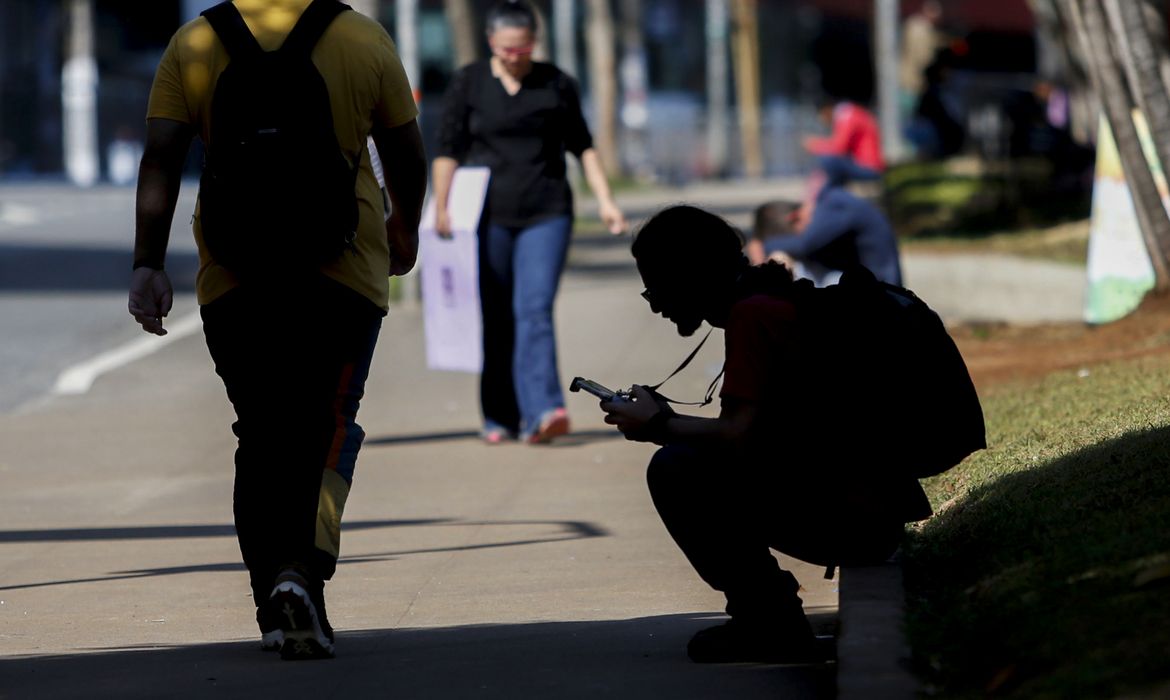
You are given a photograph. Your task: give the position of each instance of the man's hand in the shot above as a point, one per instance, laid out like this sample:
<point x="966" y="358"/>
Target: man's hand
<point x="632" y="415"/>
<point x="403" y="247"/>
<point x="151" y="297"/>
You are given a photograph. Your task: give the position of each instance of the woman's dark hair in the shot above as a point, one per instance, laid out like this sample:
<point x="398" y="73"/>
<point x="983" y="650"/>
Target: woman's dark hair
<point x="517" y="14"/>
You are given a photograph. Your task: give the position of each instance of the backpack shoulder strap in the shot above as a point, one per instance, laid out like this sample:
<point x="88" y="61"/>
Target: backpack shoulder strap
<point x="229" y="25"/>
<point x="313" y="22"/>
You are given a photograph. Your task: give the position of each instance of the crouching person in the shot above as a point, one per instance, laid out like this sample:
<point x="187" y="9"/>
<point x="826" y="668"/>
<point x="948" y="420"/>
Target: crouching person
<point x="787" y="465"/>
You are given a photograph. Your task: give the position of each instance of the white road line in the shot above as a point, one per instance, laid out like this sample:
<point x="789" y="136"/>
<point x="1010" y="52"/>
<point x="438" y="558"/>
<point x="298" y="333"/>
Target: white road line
<point x="80" y="377"/>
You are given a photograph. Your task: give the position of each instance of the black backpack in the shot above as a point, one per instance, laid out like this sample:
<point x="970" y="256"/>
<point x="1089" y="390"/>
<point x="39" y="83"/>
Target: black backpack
<point x="883" y="360"/>
<point x="277" y="193"/>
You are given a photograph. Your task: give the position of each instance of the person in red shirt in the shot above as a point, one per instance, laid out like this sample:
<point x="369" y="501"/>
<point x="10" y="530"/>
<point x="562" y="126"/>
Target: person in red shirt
<point x="779" y="468"/>
<point x="853" y="151"/>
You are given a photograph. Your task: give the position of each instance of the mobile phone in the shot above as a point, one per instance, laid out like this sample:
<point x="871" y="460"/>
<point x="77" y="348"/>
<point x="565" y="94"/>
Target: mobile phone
<point x="594" y="388"/>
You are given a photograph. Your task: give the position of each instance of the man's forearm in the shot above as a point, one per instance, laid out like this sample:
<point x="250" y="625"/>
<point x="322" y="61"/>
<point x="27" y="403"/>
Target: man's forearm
<point x="158" y="190"/>
<point x="405" y="164"/>
<point x="159" y="180"/>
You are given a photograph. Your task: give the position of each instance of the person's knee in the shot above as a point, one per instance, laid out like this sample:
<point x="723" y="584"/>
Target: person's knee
<point x="669" y="469"/>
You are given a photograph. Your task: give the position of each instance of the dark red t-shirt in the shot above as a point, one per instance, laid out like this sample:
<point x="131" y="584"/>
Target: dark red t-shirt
<point x="761" y="343"/>
<point x="797" y="431"/>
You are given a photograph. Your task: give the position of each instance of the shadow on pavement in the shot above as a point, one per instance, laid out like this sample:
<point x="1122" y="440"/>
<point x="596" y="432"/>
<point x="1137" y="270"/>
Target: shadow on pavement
<point x="168" y="532"/>
<point x="555" y="531"/>
<point x="573" y="439"/>
<point x="639" y="658"/>
<point x="49" y="269"/>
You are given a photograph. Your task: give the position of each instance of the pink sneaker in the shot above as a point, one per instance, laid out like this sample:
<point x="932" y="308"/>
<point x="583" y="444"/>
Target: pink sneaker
<point x="496" y="436"/>
<point x="553" y="424"/>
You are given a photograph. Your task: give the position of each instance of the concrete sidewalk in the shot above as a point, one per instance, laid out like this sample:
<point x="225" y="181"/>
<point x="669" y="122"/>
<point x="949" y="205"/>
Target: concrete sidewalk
<point x="468" y="571"/>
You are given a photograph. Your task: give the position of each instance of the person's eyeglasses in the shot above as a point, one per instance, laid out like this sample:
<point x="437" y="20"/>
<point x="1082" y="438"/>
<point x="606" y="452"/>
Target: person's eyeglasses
<point x="647" y="296"/>
<point x="515" y="51"/>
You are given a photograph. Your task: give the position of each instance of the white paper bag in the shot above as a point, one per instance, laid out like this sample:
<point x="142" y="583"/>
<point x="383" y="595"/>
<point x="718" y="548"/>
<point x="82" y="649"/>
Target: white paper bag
<point x="449" y="270"/>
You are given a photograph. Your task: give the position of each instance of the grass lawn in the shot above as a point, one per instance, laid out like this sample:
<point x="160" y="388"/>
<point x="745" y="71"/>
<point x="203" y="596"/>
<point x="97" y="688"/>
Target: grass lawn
<point x="970" y="199"/>
<point x="1046" y="572"/>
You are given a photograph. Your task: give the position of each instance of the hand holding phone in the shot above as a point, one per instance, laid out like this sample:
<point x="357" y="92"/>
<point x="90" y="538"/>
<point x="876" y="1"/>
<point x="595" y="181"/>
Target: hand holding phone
<point x="601" y="392"/>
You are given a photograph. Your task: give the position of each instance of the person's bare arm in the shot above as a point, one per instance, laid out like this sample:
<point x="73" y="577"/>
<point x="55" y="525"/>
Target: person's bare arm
<point x="159" y="177"/>
<point x="608" y="210"/>
<point x="442" y="175"/>
<point x="405" y="166"/>
<point x="632" y="418"/>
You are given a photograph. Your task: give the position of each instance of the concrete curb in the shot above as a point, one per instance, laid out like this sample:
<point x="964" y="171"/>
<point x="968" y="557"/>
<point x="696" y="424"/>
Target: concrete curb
<point x="872" y="654"/>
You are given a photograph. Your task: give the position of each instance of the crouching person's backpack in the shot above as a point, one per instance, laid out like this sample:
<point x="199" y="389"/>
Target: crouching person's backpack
<point x="889" y="366"/>
<point x="277" y="193"/>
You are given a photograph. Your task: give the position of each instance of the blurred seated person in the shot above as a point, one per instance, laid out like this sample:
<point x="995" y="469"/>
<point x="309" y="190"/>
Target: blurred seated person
<point x="778" y="219"/>
<point x="822" y="238"/>
<point x="853" y="151"/>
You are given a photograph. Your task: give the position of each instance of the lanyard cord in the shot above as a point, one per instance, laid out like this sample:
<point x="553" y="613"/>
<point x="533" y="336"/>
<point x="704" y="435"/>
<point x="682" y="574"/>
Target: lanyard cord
<point x="709" y="396"/>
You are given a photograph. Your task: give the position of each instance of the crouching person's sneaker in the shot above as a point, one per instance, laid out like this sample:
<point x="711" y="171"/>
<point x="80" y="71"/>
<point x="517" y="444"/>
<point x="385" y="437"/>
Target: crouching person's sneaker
<point x="735" y="641"/>
<point x="299" y="610"/>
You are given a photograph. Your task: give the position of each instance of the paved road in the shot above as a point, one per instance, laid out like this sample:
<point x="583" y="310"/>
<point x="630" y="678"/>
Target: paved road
<point x="64" y="261"/>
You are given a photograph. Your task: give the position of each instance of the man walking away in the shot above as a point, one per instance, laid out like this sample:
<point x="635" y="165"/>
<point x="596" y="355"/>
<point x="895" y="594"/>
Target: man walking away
<point x="295" y="255"/>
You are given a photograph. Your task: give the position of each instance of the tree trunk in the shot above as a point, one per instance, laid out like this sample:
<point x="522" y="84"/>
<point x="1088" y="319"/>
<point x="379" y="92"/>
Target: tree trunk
<point x="746" y="53"/>
<point x="1141" y="61"/>
<point x="1155" y="23"/>
<point x="406" y="22"/>
<point x="565" y="37"/>
<point x="465" y="31"/>
<point x="540" y="52"/>
<point x="79" y="85"/>
<point x="718" y="80"/>
<point x="1088" y="22"/>
<point x="602" y="80"/>
<point x="885" y="60"/>
<point x="634" y="110"/>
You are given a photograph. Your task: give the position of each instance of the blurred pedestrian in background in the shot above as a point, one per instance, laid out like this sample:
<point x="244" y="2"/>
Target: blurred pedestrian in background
<point x="518" y="117"/>
<point x="921" y="38"/>
<point x="936" y="130"/>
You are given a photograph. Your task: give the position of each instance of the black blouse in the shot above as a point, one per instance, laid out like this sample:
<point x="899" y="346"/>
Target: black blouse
<point x="521" y="137"/>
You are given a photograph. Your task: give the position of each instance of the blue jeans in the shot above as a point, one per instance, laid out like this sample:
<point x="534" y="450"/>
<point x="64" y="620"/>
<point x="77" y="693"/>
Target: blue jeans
<point x="519" y="271"/>
<point x="842" y="169"/>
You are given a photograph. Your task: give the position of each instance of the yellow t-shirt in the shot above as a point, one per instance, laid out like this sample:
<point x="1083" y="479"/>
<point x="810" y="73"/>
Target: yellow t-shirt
<point x="367" y="85"/>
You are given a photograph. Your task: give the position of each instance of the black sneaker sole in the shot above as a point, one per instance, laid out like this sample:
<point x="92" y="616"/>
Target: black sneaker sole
<point x="303" y="637"/>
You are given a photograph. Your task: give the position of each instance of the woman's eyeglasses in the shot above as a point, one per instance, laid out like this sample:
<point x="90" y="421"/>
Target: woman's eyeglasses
<point x="514" y="51"/>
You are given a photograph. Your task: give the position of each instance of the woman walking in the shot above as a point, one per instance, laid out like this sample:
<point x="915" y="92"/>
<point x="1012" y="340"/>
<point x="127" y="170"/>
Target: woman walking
<point x="518" y="117"/>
